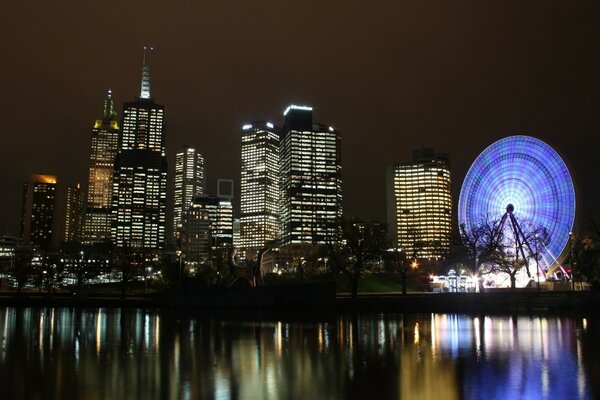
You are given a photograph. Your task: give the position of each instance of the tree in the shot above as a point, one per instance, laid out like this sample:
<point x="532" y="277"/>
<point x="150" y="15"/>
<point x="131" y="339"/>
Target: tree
<point x="587" y="254"/>
<point x="362" y="244"/>
<point x="503" y="245"/>
<point x="131" y="263"/>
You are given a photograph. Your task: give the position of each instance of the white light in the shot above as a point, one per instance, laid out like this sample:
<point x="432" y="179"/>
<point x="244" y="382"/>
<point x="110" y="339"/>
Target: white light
<point x="247" y="126"/>
<point x="331" y="129"/>
<point x="295" y="107"/>
<point x="269" y="125"/>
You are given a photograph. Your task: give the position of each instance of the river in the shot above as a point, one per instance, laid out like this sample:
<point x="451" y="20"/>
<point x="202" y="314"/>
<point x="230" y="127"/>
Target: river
<point x="112" y="353"/>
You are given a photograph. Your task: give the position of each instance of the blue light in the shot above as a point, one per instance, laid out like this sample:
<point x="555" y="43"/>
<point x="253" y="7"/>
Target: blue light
<point x="528" y="173"/>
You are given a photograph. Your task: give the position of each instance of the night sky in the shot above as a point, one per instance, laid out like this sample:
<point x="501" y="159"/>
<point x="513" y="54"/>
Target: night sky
<point x="389" y="75"/>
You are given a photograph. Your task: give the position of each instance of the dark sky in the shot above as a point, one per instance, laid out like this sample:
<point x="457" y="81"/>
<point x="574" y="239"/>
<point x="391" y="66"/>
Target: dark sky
<point x="390" y="75"/>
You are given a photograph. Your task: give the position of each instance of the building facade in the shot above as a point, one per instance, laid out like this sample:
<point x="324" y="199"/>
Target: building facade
<point x="420" y="204"/>
<point x="38" y="211"/>
<point x="138" y="216"/>
<point x="310" y="180"/>
<point x="189" y="181"/>
<point x="207" y="226"/>
<point x="259" y="185"/>
<point x="74" y="214"/>
<point x="104" y="147"/>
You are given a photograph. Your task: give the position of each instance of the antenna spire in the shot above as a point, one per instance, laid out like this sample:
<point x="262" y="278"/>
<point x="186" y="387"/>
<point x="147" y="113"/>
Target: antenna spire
<point x="109" y="106"/>
<point x="145" y="92"/>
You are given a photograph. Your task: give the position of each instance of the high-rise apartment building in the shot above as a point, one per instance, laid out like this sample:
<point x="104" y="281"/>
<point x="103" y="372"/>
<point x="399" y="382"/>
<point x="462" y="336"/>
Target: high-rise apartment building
<point x="207" y="225"/>
<point x="420" y="203"/>
<point x="104" y="146"/>
<point x="140" y="179"/>
<point x="189" y="181"/>
<point x="310" y="180"/>
<point x="74" y="214"/>
<point x="37" y="216"/>
<point x="259" y="193"/>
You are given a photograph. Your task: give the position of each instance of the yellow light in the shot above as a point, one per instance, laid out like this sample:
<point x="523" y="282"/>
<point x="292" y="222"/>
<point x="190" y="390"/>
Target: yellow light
<point x="43" y="178"/>
<point x="415" y="264"/>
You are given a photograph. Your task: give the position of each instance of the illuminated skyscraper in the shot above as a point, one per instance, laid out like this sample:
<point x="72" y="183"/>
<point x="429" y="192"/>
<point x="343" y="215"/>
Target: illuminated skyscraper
<point x="259" y="197"/>
<point x="37" y="222"/>
<point x="310" y="180"/>
<point x="140" y="179"/>
<point x="74" y="214"/>
<point x="207" y="225"/>
<point x="420" y="204"/>
<point x="189" y="181"/>
<point x="105" y="140"/>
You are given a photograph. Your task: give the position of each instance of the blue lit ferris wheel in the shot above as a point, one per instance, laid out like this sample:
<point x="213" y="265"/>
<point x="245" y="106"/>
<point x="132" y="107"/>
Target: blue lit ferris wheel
<point x="526" y="179"/>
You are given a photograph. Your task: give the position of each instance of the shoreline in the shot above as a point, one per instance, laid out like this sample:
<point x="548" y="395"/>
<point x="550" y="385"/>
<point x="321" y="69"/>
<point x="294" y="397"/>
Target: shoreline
<point x="316" y="298"/>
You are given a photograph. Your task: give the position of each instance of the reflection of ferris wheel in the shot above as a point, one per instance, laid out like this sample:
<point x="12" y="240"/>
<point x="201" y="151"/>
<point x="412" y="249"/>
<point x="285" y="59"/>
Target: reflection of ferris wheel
<point x="528" y="175"/>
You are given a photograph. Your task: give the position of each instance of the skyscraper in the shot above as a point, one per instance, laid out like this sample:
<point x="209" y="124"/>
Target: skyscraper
<point x="259" y="196"/>
<point x="420" y="204"/>
<point x="37" y="216"/>
<point x="310" y="180"/>
<point x="140" y="178"/>
<point x="189" y="181"/>
<point x="74" y="214"/>
<point x="105" y="140"/>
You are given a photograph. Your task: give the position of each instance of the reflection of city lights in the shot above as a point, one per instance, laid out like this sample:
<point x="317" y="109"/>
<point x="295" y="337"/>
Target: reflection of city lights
<point x="416" y="333"/>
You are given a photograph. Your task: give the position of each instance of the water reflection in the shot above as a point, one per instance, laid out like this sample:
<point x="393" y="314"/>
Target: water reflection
<point x="133" y="353"/>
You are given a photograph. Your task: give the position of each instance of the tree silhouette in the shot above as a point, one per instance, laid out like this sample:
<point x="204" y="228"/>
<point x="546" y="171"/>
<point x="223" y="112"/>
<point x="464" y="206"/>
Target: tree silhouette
<point x="362" y="244"/>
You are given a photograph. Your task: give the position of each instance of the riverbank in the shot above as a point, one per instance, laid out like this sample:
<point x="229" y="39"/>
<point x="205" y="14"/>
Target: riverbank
<point x="324" y="297"/>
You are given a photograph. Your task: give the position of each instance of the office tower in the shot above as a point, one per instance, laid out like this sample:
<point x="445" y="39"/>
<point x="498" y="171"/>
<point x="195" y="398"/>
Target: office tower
<point x="310" y="180"/>
<point x="140" y="180"/>
<point x="189" y="181"/>
<point x="37" y="222"/>
<point x="420" y="203"/>
<point x="74" y="214"/>
<point x="259" y="193"/>
<point x="104" y="146"/>
<point x="207" y="226"/>
<point x="236" y="233"/>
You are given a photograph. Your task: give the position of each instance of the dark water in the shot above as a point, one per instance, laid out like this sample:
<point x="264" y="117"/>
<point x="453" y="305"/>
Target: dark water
<point x="65" y="353"/>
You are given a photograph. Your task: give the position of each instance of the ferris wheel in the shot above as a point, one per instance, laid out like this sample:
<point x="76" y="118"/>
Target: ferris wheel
<point x="521" y="178"/>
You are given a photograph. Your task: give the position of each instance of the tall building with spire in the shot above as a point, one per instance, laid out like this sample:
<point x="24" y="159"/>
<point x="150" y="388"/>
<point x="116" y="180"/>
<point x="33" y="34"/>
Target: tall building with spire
<point x="259" y="194"/>
<point x="140" y="178"/>
<point x="310" y="180"/>
<point x="189" y="181"/>
<point x="104" y="146"/>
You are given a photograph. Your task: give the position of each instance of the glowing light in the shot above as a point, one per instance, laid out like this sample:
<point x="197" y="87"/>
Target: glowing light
<point x="269" y="125"/>
<point x="295" y="107"/>
<point x="247" y="126"/>
<point x="331" y="129"/>
<point x="528" y="173"/>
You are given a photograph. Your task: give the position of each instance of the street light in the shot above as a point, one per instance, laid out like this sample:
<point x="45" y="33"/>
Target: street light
<point x="572" y="260"/>
<point x="178" y="252"/>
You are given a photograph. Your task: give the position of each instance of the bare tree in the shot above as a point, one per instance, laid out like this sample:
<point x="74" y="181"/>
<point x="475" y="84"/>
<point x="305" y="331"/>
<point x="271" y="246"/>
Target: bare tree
<point x="362" y="244"/>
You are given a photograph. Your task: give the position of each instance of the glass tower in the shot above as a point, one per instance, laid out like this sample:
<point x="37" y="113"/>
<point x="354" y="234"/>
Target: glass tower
<point x="189" y="181"/>
<point x="310" y="180"/>
<point x="420" y="204"/>
<point x="259" y="193"/>
<point x="74" y="213"/>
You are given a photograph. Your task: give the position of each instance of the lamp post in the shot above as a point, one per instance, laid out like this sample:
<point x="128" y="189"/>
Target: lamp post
<point x="572" y="260"/>
<point x="178" y="252"/>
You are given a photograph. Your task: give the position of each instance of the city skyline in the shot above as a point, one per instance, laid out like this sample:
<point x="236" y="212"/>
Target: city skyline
<point x="454" y="81"/>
